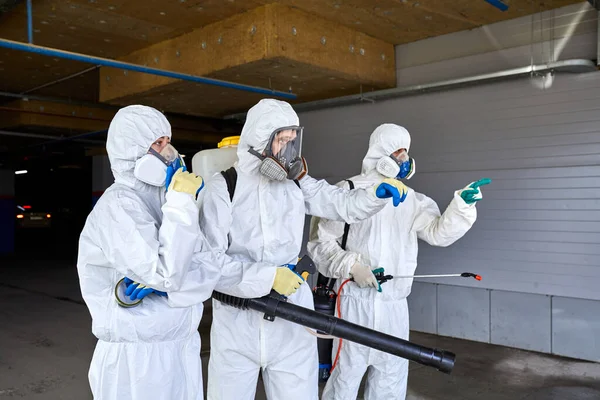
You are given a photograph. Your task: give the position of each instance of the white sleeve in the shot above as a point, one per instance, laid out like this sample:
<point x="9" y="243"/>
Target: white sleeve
<point x="238" y="278"/>
<point x="158" y="258"/>
<point x="324" y="248"/>
<point x="328" y="201"/>
<point x="202" y="277"/>
<point x="443" y="230"/>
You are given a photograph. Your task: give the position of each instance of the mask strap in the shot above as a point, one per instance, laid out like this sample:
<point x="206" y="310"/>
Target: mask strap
<point x="256" y="153"/>
<point x="157" y="155"/>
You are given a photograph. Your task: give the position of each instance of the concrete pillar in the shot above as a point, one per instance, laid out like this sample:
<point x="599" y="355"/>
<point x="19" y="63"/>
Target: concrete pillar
<point x="102" y="176"/>
<point x="7" y="211"/>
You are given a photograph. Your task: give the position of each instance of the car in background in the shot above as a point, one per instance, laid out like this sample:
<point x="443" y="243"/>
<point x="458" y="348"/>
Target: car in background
<point x="28" y="218"/>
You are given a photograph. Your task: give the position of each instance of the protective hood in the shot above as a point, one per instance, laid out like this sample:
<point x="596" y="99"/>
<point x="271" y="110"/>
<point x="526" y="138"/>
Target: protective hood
<point x="385" y="139"/>
<point x="262" y="120"/>
<point x="131" y="133"/>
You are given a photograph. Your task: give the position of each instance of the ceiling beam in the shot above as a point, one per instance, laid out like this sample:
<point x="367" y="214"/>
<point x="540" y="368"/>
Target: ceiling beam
<point x="79" y="119"/>
<point x="274" y="45"/>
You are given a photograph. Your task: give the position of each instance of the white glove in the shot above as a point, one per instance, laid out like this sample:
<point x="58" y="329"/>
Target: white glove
<point x="363" y="276"/>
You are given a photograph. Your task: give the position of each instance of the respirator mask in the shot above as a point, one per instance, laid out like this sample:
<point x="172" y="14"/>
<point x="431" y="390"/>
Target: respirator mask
<point x="282" y="158"/>
<point x="155" y="168"/>
<point x="399" y="167"/>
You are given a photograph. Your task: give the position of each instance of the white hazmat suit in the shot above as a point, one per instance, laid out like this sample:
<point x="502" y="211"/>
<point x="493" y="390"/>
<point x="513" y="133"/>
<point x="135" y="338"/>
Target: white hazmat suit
<point x="260" y="230"/>
<point x="387" y="240"/>
<point x="151" y="351"/>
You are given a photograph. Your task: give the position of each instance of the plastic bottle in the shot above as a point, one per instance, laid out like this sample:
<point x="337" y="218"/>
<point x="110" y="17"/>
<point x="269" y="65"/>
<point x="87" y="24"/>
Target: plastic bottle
<point x="211" y="161"/>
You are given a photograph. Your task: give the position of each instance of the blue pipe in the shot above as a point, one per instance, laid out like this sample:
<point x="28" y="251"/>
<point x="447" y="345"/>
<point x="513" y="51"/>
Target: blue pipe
<point x="105" y="62"/>
<point x="498" y="4"/>
<point x="29" y="21"/>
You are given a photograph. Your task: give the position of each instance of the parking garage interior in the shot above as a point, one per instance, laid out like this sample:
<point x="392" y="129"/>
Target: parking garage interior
<point x="507" y="89"/>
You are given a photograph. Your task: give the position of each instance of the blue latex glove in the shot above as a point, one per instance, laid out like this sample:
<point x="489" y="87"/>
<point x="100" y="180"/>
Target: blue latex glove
<point x="137" y="291"/>
<point x="377" y="271"/>
<point x="171" y="169"/>
<point x="392" y="188"/>
<point x="472" y="193"/>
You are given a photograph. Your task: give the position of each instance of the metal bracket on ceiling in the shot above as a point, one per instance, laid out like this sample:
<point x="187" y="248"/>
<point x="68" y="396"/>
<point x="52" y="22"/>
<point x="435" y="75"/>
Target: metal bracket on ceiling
<point x="498" y="4"/>
<point x="363" y="98"/>
<point x="595" y="4"/>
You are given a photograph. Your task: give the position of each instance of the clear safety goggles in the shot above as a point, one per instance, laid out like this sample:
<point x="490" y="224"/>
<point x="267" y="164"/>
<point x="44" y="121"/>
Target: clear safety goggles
<point x="168" y="155"/>
<point x="407" y="165"/>
<point x="401" y="158"/>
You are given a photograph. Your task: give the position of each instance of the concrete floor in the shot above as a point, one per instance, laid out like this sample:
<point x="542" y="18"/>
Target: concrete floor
<point x="46" y="346"/>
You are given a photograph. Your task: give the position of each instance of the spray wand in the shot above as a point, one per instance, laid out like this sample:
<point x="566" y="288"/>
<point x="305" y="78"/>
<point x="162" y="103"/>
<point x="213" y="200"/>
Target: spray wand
<point x="381" y="278"/>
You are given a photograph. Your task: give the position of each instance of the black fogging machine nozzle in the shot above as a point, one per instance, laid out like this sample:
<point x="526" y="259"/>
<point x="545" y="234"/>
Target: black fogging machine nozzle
<point x="275" y="305"/>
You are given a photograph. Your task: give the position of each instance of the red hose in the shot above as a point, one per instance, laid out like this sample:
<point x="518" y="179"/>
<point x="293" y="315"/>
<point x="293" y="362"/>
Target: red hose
<point x="339" y="311"/>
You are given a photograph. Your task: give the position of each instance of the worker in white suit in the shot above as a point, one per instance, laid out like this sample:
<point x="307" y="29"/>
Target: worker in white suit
<point x="386" y="240"/>
<point x="254" y="223"/>
<point x="145" y="228"/>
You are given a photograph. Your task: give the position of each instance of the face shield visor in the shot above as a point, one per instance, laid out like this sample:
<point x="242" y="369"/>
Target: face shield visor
<point x="282" y="158"/>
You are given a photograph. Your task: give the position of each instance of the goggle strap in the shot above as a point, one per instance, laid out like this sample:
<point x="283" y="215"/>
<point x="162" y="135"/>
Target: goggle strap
<point x="157" y="155"/>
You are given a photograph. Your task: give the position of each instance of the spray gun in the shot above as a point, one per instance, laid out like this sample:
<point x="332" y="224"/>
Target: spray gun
<point x="381" y="278"/>
<point x="305" y="267"/>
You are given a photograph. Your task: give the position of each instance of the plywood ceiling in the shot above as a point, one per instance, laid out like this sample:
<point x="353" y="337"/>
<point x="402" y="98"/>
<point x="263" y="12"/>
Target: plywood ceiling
<point x="115" y="28"/>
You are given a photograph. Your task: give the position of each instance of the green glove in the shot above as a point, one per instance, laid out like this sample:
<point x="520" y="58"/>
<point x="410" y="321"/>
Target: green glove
<point x="375" y="272"/>
<point x="472" y="193"/>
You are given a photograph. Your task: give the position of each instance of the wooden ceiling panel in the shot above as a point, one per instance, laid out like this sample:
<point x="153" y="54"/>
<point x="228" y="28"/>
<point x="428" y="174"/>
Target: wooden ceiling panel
<point x="81" y="28"/>
<point x="393" y="21"/>
<point x="97" y="27"/>
<point x="117" y="28"/>
<point x="404" y="21"/>
<point x="21" y="71"/>
<point x="83" y="87"/>
<point x="483" y="13"/>
<point x="113" y="28"/>
<point x="308" y="81"/>
<point x="313" y="47"/>
<point x="71" y="119"/>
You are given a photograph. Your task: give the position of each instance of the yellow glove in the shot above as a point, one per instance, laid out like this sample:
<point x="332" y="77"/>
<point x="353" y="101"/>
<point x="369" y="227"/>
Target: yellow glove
<point x="392" y="188"/>
<point x="186" y="182"/>
<point x="286" y="281"/>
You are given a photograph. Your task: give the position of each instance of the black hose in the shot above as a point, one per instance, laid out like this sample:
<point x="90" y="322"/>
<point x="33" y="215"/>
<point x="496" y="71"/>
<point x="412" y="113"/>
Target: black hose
<point x="276" y="306"/>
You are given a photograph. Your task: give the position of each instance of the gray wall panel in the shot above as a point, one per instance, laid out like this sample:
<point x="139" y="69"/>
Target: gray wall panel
<point x="422" y="305"/>
<point x="540" y="216"/>
<point x="521" y="320"/>
<point x="576" y="328"/>
<point x="464" y="313"/>
<point x="538" y="227"/>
